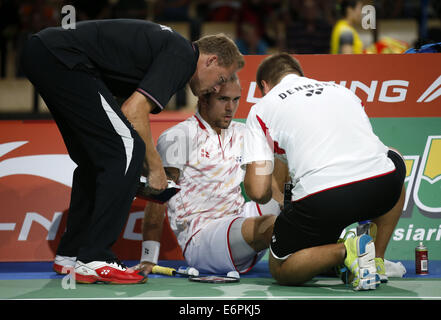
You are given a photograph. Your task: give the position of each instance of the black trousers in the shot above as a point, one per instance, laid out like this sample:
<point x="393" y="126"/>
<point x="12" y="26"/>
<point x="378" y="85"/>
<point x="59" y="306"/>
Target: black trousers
<point x="108" y="152"/>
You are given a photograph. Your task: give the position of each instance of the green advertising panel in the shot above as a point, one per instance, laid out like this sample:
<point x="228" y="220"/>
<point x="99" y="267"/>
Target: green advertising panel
<point x="419" y="140"/>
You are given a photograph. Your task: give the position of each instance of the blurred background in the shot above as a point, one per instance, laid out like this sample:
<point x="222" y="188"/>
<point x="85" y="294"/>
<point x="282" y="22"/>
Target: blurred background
<point x="257" y="26"/>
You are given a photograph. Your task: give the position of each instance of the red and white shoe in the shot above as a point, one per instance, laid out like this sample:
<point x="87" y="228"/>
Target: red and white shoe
<point x="64" y="264"/>
<point x="107" y="271"/>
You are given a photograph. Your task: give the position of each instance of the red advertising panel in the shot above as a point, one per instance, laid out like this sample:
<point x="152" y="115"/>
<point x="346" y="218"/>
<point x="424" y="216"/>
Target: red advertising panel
<point x="407" y="85"/>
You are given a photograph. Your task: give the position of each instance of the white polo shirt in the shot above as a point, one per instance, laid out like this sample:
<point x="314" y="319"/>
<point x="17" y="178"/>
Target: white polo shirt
<point x="320" y="129"/>
<point x="210" y="173"/>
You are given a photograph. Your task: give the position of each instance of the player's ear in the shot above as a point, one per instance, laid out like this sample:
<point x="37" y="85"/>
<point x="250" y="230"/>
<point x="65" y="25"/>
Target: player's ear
<point x="211" y="59"/>
<point x="264" y="87"/>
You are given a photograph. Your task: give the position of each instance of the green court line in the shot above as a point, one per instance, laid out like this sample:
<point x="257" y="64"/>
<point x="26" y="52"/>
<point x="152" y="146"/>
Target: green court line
<point x="247" y="289"/>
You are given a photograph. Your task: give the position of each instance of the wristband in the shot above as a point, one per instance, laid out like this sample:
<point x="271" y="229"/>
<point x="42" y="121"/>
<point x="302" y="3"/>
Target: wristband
<point x="150" y="251"/>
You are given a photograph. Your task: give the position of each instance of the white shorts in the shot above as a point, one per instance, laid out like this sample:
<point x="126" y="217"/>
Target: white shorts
<point x="209" y="249"/>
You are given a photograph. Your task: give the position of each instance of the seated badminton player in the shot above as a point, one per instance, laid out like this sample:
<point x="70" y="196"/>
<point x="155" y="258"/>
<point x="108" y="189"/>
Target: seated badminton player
<point x="217" y="230"/>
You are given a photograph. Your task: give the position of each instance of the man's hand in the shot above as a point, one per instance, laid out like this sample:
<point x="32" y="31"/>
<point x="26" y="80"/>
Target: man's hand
<point x="156" y="177"/>
<point x="145" y="266"/>
<point x="157" y="180"/>
<point x="137" y="110"/>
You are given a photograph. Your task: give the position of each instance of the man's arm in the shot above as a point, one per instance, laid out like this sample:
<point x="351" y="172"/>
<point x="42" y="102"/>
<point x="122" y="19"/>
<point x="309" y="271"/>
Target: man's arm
<point x="137" y="109"/>
<point x="258" y="181"/>
<point x="279" y="178"/>
<point x="154" y="214"/>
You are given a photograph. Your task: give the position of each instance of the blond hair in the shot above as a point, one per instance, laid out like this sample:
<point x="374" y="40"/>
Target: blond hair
<point x="223" y="47"/>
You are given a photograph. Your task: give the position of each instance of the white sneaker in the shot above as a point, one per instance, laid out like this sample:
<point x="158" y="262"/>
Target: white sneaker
<point x="62" y="264"/>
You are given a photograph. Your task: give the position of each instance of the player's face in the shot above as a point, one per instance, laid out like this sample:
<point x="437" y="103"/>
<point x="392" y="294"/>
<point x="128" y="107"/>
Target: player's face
<point x="219" y="109"/>
<point x="209" y="77"/>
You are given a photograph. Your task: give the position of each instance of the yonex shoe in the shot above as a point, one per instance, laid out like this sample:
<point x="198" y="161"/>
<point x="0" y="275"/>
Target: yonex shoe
<point x="62" y="264"/>
<point x="381" y="270"/>
<point x="347" y="276"/>
<point x="108" y="272"/>
<point x="360" y="261"/>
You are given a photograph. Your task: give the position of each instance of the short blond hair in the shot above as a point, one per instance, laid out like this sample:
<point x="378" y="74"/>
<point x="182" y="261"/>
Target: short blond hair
<point x="223" y="47"/>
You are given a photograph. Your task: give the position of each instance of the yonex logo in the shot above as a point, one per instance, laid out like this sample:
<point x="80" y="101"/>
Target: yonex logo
<point x="430" y="94"/>
<point x="311" y="88"/>
<point x="309" y="93"/>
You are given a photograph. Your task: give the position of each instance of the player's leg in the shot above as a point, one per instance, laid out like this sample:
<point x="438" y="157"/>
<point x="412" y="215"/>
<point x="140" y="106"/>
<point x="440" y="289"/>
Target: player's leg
<point x="117" y="152"/>
<point x="82" y="198"/>
<point x="250" y="235"/>
<point x="257" y="231"/>
<point x="248" y="240"/>
<point x="386" y="223"/>
<point x="305" y="234"/>
<point x="303" y="265"/>
<point x="81" y="206"/>
<point x="208" y="249"/>
<point x="219" y="247"/>
<point x="84" y="177"/>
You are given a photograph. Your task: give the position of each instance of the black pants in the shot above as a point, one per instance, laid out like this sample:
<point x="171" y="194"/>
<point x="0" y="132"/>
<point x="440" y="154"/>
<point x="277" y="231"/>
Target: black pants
<point x="108" y="152"/>
<point x="320" y="218"/>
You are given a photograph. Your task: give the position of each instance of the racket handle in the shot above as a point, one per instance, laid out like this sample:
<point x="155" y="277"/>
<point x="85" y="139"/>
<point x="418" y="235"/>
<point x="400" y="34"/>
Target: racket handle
<point x="189" y="271"/>
<point x="163" y="270"/>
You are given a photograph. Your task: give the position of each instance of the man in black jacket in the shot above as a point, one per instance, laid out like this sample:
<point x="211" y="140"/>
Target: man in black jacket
<point x="79" y="72"/>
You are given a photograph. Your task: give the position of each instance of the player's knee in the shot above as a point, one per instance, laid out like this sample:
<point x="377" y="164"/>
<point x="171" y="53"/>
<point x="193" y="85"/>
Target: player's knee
<point x="257" y="231"/>
<point x="265" y="228"/>
<point x="276" y="270"/>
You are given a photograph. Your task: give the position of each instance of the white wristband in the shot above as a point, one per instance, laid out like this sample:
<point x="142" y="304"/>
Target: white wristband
<point x="150" y="251"/>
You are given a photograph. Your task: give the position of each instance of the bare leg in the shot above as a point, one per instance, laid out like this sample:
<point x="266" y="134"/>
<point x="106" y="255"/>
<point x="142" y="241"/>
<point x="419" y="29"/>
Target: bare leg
<point x="257" y="231"/>
<point x="303" y="265"/>
<point x="386" y="225"/>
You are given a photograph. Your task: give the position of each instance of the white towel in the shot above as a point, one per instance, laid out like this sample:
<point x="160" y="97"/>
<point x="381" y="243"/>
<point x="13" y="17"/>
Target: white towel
<point x="394" y="269"/>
